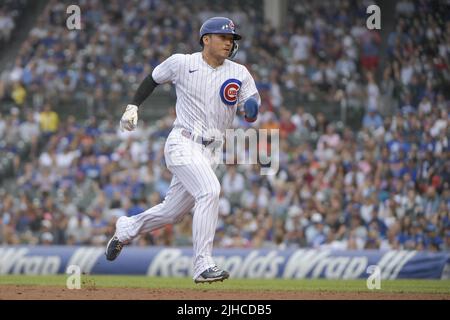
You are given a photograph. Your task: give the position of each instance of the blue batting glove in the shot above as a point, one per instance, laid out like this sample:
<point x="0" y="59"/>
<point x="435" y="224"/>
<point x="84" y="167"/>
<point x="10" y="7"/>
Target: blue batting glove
<point x="251" y="109"/>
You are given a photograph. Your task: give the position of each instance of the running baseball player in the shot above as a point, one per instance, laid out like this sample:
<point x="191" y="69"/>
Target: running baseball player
<point x="210" y="88"/>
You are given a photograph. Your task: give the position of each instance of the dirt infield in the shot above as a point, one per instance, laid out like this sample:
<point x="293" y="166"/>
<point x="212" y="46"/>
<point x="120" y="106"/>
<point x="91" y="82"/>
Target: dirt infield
<point x="23" y="292"/>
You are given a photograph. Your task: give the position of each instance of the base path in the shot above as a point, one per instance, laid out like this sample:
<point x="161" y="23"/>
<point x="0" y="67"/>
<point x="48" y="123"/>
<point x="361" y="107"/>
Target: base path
<point x="26" y="292"/>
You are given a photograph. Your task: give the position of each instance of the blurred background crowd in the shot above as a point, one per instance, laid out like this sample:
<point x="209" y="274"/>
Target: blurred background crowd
<point x="380" y="181"/>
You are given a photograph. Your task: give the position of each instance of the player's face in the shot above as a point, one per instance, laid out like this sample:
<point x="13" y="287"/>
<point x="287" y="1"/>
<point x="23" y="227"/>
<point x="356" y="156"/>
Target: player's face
<point x="220" y="45"/>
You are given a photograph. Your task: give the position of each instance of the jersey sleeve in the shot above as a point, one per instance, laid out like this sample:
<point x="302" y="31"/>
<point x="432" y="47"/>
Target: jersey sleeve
<point x="248" y="89"/>
<point x="167" y="71"/>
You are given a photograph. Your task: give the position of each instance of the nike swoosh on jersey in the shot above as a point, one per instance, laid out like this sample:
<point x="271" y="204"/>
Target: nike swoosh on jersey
<point x="190" y="71"/>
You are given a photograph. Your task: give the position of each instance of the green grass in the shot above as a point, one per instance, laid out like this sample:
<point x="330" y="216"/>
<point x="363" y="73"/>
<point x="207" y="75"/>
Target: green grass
<point x="391" y="286"/>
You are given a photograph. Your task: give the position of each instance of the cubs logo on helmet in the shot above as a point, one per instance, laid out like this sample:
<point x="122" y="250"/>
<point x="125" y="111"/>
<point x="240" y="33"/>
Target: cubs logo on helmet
<point x="229" y="91"/>
<point x="231" y="25"/>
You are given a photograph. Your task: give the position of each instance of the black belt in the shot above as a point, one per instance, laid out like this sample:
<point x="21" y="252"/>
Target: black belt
<point x="197" y="139"/>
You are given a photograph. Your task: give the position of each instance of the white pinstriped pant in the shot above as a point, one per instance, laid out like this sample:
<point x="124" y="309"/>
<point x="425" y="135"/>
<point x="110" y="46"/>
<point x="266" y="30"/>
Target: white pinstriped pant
<point x="194" y="185"/>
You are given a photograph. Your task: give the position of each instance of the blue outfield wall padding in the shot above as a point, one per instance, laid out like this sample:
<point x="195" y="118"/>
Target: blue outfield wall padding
<point x="242" y="263"/>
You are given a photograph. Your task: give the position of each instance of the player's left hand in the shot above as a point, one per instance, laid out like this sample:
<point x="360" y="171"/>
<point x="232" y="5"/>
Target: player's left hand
<point x="251" y="109"/>
<point x="129" y="118"/>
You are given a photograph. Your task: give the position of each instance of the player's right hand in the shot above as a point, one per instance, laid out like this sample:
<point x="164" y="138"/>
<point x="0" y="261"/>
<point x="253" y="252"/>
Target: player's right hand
<point x="129" y="118"/>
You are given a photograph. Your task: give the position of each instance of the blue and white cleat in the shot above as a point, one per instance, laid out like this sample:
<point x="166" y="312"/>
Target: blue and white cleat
<point x="113" y="248"/>
<point x="212" y="275"/>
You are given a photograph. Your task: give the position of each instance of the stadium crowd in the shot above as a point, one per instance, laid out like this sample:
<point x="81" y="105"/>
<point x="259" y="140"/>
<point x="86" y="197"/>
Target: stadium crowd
<point x="101" y="65"/>
<point x="385" y="185"/>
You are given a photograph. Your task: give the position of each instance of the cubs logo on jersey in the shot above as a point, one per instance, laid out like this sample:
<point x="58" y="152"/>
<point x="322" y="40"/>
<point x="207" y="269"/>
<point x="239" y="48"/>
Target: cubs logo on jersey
<point x="229" y="91"/>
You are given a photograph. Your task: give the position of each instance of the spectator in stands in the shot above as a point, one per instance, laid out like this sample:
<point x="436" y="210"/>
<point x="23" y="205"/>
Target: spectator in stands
<point x="80" y="228"/>
<point x="317" y="232"/>
<point x="49" y="120"/>
<point x="6" y="26"/>
<point x="18" y="94"/>
<point x="233" y="184"/>
<point x="138" y="206"/>
<point x="372" y="120"/>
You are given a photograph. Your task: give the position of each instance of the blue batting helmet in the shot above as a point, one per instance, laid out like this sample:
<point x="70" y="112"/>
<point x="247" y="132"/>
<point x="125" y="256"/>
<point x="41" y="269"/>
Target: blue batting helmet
<point x="220" y="25"/>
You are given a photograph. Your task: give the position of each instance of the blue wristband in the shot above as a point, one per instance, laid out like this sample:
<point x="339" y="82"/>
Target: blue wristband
<point x="251" y="109"/>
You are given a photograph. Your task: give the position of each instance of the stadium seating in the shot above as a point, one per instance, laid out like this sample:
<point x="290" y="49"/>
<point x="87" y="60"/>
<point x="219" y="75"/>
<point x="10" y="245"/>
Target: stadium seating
<point x="379" y="182"/>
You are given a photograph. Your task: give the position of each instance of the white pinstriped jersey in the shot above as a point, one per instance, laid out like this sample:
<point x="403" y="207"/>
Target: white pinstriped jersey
<point x="207" y="97"/>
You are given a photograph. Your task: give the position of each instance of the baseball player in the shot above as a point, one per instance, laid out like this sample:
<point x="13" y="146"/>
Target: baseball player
<point x="210" y="90"/>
